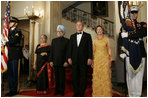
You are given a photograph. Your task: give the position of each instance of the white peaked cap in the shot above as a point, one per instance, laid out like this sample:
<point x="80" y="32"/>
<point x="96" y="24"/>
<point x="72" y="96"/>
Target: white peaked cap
<point x="134" y="8"/>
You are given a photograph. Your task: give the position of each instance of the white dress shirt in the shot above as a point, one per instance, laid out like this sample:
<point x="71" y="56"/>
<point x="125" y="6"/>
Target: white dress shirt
<point x="79" y="36"/>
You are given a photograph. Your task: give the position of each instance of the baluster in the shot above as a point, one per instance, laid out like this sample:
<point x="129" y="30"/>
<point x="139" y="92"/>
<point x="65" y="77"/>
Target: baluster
<point x="84" y="18"/>
<point x="109" y="30"/>
<point x="112" y="31"/>
<point x="101" y="22"/>
<point x="89" y="20"/>
<point x="107" y="27"/>
<point x="77" y="15"/>
<point x="74" y="14"/>
<point x="71" y="14"/>
<point x="92" y="23"/>
<point x="97" y="22"/>
<point x="81" y="15"/>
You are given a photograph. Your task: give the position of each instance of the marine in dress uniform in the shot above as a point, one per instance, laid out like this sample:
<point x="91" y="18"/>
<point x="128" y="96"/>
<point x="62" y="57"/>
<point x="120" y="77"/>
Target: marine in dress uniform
<point x="133" y="51"/>
<point x="58" y="58"/>
<point x="14" y="53"/>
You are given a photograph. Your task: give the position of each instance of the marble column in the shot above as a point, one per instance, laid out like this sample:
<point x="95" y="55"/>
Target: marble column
<point x="55" y="17"/>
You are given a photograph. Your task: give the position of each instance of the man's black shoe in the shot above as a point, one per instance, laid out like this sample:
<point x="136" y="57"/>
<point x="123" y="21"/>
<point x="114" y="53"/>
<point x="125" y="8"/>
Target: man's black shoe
<point x="13" y="93"/>
<point x="56" y="93"/>
<point x="75" y="95"/>
<point x="62" y="94"/>
<point x="81" y="95"/>
<point x="8" y="94"/>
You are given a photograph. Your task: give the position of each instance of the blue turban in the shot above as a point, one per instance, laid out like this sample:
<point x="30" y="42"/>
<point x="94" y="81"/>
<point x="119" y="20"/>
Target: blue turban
<point x="62" y="27"/>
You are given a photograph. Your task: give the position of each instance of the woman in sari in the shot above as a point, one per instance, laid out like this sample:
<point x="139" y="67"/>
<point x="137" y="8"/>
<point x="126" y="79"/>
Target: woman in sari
<point x="101" y="65"/>
<point x="44" y="71"/>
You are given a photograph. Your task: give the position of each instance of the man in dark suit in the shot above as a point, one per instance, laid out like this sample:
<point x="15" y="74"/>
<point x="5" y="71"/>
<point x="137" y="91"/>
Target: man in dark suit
<point x="79" y="56"/>
<point x="14" y="54"/>
<point x="58" y="59"/>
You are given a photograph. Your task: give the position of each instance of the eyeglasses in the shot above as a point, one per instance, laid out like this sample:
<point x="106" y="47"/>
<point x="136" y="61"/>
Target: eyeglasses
<point x="59" y="31"/>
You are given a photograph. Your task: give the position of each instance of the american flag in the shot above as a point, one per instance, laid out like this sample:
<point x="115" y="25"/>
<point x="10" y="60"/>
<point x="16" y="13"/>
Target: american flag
<point x="4" y="48"/>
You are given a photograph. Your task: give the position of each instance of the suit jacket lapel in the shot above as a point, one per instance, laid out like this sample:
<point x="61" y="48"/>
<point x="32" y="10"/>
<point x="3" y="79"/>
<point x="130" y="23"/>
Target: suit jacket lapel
<point x="75" y="39"/>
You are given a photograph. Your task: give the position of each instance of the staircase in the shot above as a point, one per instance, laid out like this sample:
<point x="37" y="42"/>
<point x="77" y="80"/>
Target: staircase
<point x="74" y="14"/>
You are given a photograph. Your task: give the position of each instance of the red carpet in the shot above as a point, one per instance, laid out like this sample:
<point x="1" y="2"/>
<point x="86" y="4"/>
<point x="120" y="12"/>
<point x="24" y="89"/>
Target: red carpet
<point x="69" y="87"/>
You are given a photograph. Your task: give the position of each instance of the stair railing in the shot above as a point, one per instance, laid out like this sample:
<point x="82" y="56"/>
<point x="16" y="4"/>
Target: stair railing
<point x="74" y="14"/>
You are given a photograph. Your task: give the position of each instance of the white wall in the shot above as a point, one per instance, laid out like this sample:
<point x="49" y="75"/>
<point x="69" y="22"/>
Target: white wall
<point x="3" y="7"/>
<point x="142" y="14"/>
<point x="17" y="8"/>
<point x="85" y="6"/>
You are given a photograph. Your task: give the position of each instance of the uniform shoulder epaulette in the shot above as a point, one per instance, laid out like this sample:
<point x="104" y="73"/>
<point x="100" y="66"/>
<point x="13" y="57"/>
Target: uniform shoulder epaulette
<point x="18" y="32"/>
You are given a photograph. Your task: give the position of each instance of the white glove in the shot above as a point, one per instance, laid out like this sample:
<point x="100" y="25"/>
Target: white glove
<point x="124" y="34"/>
<point x="4" y="42"/>
<point x="123" y="55"/>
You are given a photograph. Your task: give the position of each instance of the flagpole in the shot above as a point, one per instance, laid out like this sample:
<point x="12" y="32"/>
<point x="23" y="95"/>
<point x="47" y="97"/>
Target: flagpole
<point x="18" y="87"/>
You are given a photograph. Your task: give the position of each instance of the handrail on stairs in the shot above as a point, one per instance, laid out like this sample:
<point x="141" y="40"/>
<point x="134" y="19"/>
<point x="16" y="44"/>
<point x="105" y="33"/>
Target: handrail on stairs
<point x="92" y="15"/>
<point x="75" y="14"/>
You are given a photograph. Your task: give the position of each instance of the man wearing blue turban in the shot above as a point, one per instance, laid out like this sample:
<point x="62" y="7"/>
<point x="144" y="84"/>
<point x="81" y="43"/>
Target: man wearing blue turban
<point x="58" y="59"/>
<point x="62" y="28"/>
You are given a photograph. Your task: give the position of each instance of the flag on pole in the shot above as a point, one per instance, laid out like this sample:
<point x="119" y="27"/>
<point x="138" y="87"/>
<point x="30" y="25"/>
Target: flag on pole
<point x="4" y="38"/>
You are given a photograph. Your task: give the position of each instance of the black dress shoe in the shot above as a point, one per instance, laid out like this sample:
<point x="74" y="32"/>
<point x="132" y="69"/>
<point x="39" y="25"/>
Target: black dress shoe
<point x="81" y="95"/>
<point x="13" y="93"/>
<point x="8" y="94"/>
<point x="75" y="95"/>
<point x="56" y="93"/>
<point x="62" y="94"/>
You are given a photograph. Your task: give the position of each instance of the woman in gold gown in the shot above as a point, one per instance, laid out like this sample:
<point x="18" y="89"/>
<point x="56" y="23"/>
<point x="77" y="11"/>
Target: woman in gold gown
<point x="101" y="65"/>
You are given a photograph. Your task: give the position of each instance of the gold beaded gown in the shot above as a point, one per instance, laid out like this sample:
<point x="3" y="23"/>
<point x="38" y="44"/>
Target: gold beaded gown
<point x="101" y="69"/>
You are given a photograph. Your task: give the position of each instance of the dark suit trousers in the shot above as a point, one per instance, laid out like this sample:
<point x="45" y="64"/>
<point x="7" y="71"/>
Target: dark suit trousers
<point x="79" y="75"/>
<point x="13" y="75"/>
<point x="59" y="72"/>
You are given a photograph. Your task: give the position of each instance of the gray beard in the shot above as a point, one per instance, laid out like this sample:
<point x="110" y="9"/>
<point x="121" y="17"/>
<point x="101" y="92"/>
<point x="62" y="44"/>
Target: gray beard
<point x="59" y="35"/>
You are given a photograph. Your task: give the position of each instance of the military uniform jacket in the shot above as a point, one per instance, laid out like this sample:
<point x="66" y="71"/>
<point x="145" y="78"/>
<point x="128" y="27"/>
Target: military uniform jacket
<point x="141" y="31"/>
<point x="133" y="45"/>
<point x="14" y="49"/>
